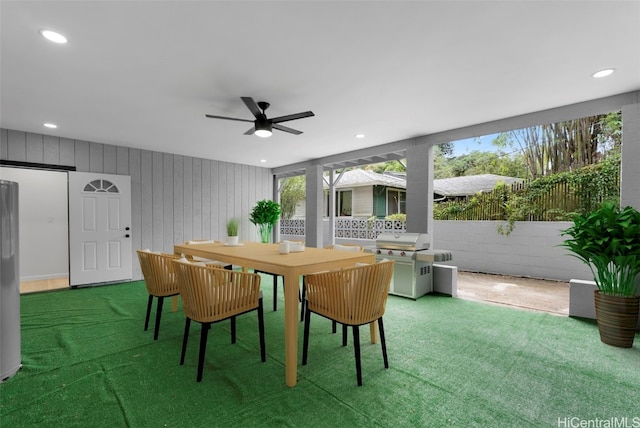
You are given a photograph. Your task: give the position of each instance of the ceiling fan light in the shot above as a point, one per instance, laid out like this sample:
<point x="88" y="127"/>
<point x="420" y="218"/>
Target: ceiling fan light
<point x="263" y="133"/>
<point x="263" y="128"/>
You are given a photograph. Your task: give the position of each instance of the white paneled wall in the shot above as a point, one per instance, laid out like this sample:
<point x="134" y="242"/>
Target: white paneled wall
<point x="173" y="198"/>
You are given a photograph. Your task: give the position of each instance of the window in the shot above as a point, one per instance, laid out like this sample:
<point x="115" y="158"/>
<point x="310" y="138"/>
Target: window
<point x="344" y="206"/>
<point x="343" y="203"/>
<point x="102" y="186"/>
<point x="396" y="201"/>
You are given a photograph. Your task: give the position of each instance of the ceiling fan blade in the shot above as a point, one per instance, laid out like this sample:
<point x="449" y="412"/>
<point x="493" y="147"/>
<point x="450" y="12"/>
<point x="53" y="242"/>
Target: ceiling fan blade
<point x="227" y="118"/>
<point x="252" y="106"/>
<point x="285" y="129"/>
<point x="250" y="131"/>
<point x="292" y="117"/>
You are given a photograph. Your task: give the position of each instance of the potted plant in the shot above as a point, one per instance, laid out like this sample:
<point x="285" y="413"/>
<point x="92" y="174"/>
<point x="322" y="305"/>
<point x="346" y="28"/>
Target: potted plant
<point x="232" y="231"/>
<point x="265" y="215"/>
<point x="608" y="241"/>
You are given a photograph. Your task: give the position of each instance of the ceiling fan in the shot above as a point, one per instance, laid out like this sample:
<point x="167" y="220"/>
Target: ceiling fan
<point x="262" y="126"/>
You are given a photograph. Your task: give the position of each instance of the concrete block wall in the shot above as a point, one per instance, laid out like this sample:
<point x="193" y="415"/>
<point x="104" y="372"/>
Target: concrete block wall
<point x="531" y="250"/>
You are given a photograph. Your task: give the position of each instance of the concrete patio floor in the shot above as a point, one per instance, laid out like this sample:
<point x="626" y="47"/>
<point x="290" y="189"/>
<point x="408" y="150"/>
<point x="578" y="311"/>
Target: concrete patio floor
<point x="524" y="293"/>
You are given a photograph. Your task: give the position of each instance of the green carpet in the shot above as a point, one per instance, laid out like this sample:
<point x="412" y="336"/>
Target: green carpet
<point x="88" y="363"/>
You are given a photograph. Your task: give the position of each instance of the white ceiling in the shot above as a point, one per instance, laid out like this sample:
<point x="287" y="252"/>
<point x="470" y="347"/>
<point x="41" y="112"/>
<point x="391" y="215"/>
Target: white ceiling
<point x="143" y="74"/>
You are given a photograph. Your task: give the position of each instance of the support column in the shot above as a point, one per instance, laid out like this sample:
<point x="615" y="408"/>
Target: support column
<point x="630" y="164"/>
<point x="313" y="214"/>
<point x="420" y="189"/>
<point x="332" y="209"/>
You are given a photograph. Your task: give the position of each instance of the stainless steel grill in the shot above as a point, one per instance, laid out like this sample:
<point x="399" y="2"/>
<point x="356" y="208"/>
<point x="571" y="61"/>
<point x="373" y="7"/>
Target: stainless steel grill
<point x="413" y="273"/>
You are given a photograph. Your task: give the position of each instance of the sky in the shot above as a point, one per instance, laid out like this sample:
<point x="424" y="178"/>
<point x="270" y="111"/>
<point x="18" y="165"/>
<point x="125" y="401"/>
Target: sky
<point x="480" y="144"/>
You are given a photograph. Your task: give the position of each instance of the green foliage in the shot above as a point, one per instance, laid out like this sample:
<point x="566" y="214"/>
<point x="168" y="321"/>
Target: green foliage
<point x="382" y="167"/>
<point x="556" y="197"/>
<point x="232" y="227"/>
<point x="264" y="215"/>
<point x="293" y="192"/>
<point x="588" y="187"/>
<point x="456" y="210"/>
<point x="608" y="241"/>
<point x="265" y="212"/>
<point x="565" y="146"/>
<point x="396" y="217"/>
<point x="477" y="162"/>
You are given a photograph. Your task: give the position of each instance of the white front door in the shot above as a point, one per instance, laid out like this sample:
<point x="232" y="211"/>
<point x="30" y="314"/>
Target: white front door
<point x="99" y="228"/>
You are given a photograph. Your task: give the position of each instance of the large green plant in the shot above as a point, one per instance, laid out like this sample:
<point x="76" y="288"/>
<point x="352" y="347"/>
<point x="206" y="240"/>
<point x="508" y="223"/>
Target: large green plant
<point x="265" y="215"/>
<point x="608" y="241"/>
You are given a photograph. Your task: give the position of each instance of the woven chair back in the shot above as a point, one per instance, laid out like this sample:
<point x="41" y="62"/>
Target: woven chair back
<point x="353" y="296"/>
<point x="159" y="276"/>
<point x="346" y="247"/>
<point x="211" y="294"/>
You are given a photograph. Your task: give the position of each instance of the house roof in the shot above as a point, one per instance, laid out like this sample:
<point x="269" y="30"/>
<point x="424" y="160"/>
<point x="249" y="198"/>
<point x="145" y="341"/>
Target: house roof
<point x="470" y="184"/>
<point x="363" y="177"/>
<point x="451" y="187"/>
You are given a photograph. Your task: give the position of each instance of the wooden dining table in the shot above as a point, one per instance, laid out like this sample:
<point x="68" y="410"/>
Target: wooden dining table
<point x="267" y="258"/>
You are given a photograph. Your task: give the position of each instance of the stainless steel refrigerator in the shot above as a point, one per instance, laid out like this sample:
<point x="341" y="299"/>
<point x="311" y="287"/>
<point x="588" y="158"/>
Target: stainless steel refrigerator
<point x="10" y="354"/>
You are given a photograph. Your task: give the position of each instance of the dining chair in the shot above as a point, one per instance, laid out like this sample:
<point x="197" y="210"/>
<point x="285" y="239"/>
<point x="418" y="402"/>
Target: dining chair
<point x="210" y="295"/>
<point x="352" y="297"/>
<point x="202" y="259"/>
<point x="160" y="279"/>
<point x="337" y="247"/>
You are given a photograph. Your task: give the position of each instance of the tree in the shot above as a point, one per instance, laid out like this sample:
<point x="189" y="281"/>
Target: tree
<point x="392" y="165"/>
<point x="565" y="146"/>
<point x="293" y="192"/>
<point x="476" y="162"/>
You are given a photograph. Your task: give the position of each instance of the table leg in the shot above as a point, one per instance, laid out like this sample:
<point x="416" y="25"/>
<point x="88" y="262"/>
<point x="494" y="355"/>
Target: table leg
<point x="374" y="332"/>
<point x="291" y="288"/>
<point x="174" y="304"/>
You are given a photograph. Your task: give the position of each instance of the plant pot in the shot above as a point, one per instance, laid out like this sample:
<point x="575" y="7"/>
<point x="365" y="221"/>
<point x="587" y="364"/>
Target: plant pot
<point x="265" y="230"/>
<point x="232" y="240"/>
<point x="617" y="318"/>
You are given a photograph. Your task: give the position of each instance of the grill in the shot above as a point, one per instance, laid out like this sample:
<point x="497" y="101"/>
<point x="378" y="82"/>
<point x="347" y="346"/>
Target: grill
<point x="413" y="272"/>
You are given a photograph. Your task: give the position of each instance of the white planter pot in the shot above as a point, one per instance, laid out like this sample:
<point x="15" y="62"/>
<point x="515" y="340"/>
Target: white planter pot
<point x="232" y="240"/>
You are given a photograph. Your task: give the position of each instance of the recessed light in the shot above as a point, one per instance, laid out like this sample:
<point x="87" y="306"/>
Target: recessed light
<point x="603" y="73"/>
<point x="51" y="125"/>
<point x="53" y="36"/>
<point x="359" y="135"/>
<point x="263" y="160"/>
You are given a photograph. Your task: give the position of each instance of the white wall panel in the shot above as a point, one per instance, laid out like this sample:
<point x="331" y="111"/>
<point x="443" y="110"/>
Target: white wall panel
<point x="109" y="164"/>
<point x="96" y="157"/>
<point x="178" y="199"/>
<point x="167" y="203"/>
<point x="34" y="148"/>
<point x="67" y="152"/>
<point x="51" y="150"/>
<point x="17" y="150"/>
<point x="187" y="194"/>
